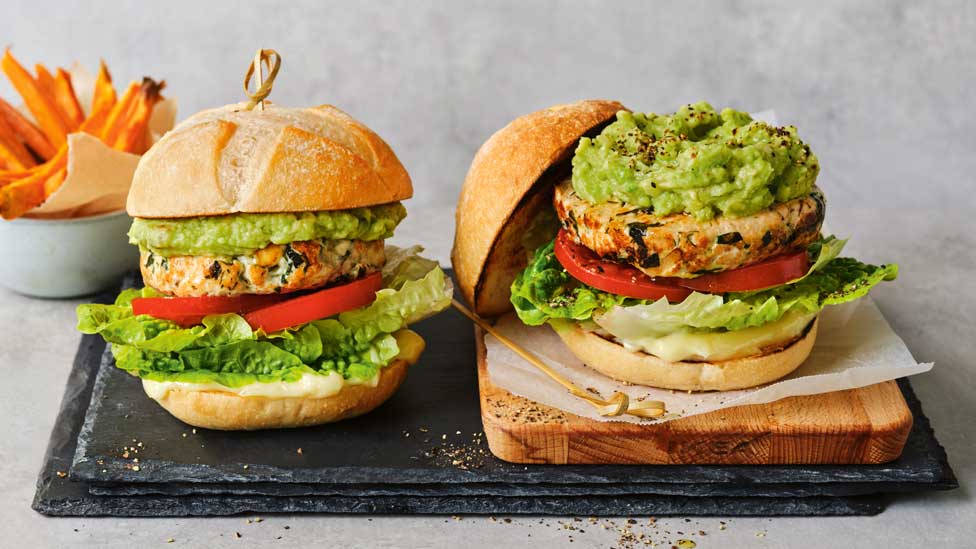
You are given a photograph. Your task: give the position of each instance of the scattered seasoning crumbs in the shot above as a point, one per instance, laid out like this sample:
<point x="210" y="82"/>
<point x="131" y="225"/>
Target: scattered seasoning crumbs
<point x="170" y="540"/>
<point x="238" y="535"/>
<point x="632" y="533"/>
<point x="462" y="456"/>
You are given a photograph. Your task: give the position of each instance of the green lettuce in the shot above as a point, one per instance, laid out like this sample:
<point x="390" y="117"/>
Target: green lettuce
<point x="224" y="349"/>
<point x="545" y="292"/>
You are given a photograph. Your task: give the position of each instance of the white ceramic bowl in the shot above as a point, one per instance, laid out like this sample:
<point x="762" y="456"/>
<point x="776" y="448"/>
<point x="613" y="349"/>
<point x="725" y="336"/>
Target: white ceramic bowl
<point x="65" y="257"/>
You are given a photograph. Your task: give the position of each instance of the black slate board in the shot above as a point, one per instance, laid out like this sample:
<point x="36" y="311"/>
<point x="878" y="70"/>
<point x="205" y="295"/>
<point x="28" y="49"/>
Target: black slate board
<point x="378" y="469"/>
<point x="58" y="496"/>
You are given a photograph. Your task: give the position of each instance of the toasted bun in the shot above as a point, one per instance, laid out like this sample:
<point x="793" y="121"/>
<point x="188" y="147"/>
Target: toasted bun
<point x="617" y="362"/>
<point x="229" y="412"/>
<point x="501" y="196"/>
<point x="230" y="160"/>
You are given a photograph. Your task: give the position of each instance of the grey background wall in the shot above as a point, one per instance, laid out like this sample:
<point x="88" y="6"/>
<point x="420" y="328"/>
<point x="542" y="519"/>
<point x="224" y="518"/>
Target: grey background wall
<point x="883" y="91"/>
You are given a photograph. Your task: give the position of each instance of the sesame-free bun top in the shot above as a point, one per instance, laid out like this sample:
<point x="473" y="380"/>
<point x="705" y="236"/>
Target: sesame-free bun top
<point x="230" y="160"/>
<point x="510" y="180"/>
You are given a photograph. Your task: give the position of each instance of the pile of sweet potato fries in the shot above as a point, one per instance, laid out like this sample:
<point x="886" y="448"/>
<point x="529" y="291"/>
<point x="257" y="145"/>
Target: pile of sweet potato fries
<point x="34" y="154"/>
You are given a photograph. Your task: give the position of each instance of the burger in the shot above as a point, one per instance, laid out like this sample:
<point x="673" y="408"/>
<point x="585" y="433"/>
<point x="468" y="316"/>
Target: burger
<point x="681" y="251"/>
<point x="270" y="298"/>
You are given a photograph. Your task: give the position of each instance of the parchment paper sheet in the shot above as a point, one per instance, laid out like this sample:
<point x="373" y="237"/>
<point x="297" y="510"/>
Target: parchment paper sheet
<point x="855" y="347"/>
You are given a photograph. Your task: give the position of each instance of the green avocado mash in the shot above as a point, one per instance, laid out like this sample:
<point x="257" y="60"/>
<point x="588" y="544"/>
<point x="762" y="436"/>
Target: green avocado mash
<point x="243" y="234"/>
<point x="696" y="161"/>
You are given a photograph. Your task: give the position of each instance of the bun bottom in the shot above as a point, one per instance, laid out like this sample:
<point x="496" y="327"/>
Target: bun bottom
<point x="226" y="411"/>
<point x="639" y="368"/>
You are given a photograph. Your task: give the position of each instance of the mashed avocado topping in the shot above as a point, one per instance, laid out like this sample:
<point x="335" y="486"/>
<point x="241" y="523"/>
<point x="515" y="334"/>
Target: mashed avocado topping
<point x="696" y="161"/>
<point x="245" y="233"/>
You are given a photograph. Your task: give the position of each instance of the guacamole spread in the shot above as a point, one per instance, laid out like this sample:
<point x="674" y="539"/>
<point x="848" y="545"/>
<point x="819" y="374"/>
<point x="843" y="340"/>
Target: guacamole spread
<point x="243" y="234"/>
<point x="696" y="161"/>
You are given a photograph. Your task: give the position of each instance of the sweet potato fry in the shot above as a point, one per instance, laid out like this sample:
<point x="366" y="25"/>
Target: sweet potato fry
<point x="132" y="136"/>
<point x="25" y="194"/>
<point x="64" y="94"/>
<point x="13" y="154"/>
<point x="116" y="119"/>
<point x="43" y="109"/>
<point x="54" y="182"/>
<point x="45" y="84"/>
<point x="102" y="103"/>
<point x="32" y="136"/>
<point x="8" y="177"/>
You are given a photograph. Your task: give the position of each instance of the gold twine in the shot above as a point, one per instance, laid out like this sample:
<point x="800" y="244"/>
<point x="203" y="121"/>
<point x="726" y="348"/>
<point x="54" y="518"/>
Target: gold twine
<point x="618" y="404"/>
<point x="269" y="59"/>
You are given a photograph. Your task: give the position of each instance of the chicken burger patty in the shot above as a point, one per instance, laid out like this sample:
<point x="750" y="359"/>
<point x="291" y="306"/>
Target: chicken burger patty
<point x="680" y="245"/>
<point x="274" y="269"/>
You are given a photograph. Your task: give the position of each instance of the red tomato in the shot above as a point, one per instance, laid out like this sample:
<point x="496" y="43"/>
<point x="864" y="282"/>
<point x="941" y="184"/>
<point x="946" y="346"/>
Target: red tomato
<point x="188" y="311"/>
<point x="766" y="274"/>
<point x="271" y="312"/>
<point x="587" y="267"/>
<point x="321" y="304"/>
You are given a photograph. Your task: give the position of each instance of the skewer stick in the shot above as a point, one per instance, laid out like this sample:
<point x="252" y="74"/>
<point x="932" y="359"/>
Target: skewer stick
<point x="618" y="404"/>
<point x="263" y="58"/>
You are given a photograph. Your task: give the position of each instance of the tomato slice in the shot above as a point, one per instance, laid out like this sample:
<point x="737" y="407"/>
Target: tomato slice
<point x="766" y="274"/>
<point x="320" y="304"/>
<point x="188" y="311"/>
<point x="587" y="267"/>
<point x="270" y="312"/>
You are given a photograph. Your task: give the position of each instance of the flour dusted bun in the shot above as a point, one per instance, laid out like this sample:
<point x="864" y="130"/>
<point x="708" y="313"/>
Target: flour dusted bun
<point x="614" y="360"/>
<point x="230" y="412"/>
<point x="510" y="180"/>
<point x="230" y="160"/>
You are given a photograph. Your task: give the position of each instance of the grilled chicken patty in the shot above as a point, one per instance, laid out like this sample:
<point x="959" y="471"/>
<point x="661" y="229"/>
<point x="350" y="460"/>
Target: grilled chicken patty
<point x="679" y="245"/>
<point x="273" y="269"/>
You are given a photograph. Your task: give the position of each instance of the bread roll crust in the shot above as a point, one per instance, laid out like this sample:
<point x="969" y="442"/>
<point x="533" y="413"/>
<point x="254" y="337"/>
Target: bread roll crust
<point x="229" y="160"/>
<point x="500" y="196"/>
<point x="639" y="368"/>
<point x="230" y="412"/>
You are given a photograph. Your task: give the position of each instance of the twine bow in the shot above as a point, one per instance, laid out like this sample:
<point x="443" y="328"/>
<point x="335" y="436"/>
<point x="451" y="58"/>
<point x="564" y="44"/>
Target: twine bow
<point x="269" y="59"/>
<point x="618" y="404"/>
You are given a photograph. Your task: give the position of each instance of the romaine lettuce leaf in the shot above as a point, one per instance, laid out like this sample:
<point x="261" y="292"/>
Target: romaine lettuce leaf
<point x="224" y="349"/>
<point x="545" y="292"/>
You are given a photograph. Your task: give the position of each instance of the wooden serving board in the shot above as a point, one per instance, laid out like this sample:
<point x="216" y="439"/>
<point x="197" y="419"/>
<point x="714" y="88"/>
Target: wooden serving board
<point x="860" y="426"/>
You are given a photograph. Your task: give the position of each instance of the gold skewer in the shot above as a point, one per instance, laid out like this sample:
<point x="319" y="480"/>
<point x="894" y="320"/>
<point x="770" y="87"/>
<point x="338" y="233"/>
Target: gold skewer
<point x="618" y="404"/>
<point x="263" y="58"/>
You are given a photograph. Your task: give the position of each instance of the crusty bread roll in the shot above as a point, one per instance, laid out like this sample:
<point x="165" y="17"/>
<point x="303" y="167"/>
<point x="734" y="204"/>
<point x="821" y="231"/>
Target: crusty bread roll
<point x="230" y="160"/>
<point x="500" y="196"/>
<point x="229" y="412"/>
<point x="614" y="360"/>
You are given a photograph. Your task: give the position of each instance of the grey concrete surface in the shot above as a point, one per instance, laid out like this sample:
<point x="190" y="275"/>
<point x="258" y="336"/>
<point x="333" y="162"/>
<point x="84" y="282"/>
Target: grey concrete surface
<point x="882" y="91"/>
